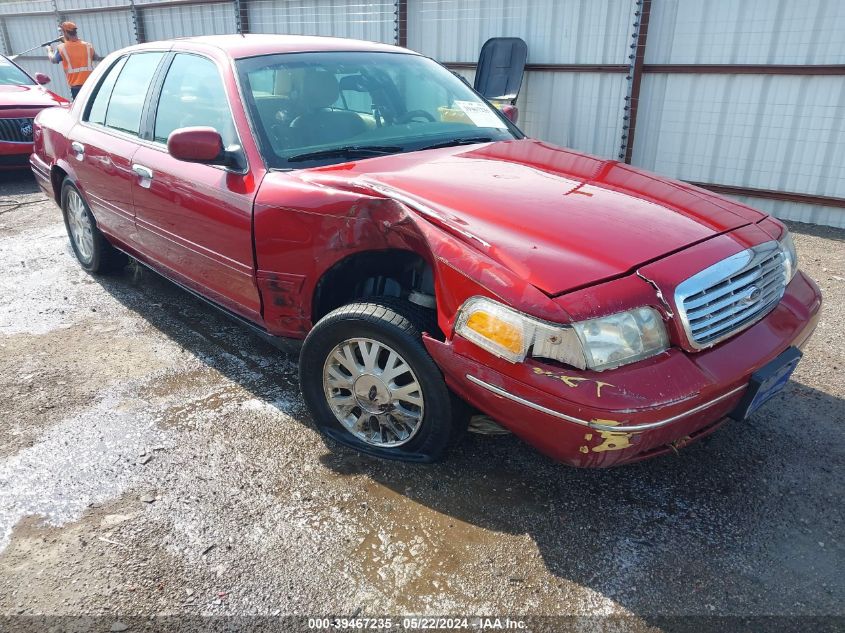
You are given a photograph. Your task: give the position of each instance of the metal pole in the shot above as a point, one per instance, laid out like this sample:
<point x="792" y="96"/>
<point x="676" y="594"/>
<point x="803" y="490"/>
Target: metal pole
<point x="137" y="22"/>
<point x="4" y="38"/>
<point x="59" y="16"/>
<point x="241" y="16"/>
<point x="635" y="78"/>
<point x="400" y="21"/>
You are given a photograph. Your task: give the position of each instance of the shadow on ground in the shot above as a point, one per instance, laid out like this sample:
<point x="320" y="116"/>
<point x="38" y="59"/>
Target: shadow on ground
<point x="16" y="182"/>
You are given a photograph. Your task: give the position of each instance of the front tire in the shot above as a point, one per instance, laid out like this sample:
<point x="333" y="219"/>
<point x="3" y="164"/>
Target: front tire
<point x="371" y="385"/>
<point x="91" y="248"/>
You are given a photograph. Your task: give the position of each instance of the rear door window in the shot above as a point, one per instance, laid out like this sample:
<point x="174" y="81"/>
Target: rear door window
<point x="97" y="112"/>
<point x="130" y="92"/>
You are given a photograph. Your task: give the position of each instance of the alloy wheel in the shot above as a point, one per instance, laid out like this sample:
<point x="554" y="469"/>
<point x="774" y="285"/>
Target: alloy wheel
<point x="373" y="392"/>
<point x="81" y="227"/>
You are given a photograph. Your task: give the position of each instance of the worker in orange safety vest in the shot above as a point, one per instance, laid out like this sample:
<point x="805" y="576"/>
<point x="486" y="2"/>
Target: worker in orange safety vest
<point x="77" y="57"/>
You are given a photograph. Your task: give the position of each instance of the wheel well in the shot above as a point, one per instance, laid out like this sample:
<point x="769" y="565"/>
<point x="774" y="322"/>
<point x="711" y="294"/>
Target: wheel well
<point x="389" y="273"/>
<point x="57" y="177"/>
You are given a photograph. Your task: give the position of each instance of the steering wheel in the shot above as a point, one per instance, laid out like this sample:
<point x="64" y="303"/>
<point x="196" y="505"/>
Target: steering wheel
<point x="413" y="114"/>
<point x="281" y="134"/>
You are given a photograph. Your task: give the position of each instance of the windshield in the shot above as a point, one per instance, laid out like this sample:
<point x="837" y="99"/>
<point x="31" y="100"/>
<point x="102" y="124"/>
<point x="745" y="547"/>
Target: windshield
<point x="319" y="108"/>
<point x="11" y="75"/>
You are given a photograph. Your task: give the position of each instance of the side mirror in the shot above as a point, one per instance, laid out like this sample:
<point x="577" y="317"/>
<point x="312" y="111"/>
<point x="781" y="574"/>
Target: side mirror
<point x="41" y="79"/>
<point x="196" y="145"/>
<point x="511" y="112"/>
<point x="204" y="145"/>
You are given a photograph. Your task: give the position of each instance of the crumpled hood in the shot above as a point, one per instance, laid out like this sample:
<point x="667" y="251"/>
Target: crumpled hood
<point x="559" y="219"/>
<point x="28" y="97"/>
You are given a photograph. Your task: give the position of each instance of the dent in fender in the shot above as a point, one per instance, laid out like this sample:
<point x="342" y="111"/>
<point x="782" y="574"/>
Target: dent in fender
<point x="333" y="218"/>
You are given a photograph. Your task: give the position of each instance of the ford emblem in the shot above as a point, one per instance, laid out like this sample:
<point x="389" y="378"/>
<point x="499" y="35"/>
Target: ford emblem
<point x="26" y="130"/>
<point x="753" y="295"/>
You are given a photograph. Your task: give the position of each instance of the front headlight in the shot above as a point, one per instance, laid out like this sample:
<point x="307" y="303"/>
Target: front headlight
<point x="790" y="257"/>
<point x="596" y="344"/>
<point x="510" y="334"/>
<point x="622" y="338"/>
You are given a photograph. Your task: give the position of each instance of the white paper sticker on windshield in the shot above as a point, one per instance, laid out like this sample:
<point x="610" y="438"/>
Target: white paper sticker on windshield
<point x="480" y="114"/>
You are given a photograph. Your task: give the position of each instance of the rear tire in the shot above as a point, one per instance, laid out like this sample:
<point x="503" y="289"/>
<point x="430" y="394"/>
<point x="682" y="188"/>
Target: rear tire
<point x="90" y="246"/>
<point x="371" y="385"/>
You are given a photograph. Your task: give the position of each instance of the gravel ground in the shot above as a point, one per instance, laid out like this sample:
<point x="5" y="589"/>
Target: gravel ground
<point x="156" y="459"/>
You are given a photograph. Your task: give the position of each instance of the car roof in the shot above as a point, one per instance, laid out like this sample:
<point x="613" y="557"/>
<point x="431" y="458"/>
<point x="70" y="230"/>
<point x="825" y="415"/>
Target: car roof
<point x="251" y="45"/>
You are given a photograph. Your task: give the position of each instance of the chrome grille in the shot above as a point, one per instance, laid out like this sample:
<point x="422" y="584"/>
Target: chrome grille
<point x="732" y="294"/>
<point x="16" y="130"/>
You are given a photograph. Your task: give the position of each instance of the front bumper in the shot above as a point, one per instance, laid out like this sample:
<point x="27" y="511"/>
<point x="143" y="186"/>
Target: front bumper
<point x="14" y="155"/>
<point x="600" y="419"/>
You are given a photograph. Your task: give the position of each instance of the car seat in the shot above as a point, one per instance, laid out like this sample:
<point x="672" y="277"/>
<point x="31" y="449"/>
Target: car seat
<point x="319" y="123"/>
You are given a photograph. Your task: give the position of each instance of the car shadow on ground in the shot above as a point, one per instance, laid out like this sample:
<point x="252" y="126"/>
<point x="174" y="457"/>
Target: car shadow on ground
<point x="732" y="524"/>
<point x="16" y="182"/>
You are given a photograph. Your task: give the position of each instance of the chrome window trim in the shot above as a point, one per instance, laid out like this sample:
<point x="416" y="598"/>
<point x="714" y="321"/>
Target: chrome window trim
<point x="630" y="428"/>
<point x="720" y="271"/>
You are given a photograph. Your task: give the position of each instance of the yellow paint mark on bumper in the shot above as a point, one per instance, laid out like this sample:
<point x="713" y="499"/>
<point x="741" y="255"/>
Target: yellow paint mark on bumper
<point x="612" y="441"/>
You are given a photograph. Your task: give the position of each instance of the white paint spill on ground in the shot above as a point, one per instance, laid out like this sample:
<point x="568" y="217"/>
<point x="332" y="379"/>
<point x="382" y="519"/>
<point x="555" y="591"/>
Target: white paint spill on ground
<point x="42" y="287"/>
<point x="88" y="458"/>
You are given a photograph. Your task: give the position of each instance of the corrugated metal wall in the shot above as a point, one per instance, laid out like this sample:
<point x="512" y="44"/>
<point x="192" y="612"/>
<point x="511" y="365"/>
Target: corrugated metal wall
<point x="11" y="8"/>
<point x="746" y="32"/>
<point x="574" y="31"/>
<point x="582" y="110"/>
<point x="758" y="130"/>
<point x="65" y="5"/>
<point x="27" y="31"/>
<point x="372" y="20"/>
<point x="200" y="19"/>
<point x="763" y="131"/>
<point x="108" y="31"/>
<point x="810" y="213"/>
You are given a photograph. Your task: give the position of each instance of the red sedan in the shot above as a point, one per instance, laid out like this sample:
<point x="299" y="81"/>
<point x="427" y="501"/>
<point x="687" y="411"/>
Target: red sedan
<point x="21" y="98"/>
<point x="362" y="198"/>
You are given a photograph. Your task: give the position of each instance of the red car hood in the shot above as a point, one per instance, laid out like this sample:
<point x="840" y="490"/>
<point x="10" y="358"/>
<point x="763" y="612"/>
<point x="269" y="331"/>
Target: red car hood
<point x="560" y="219"/>
<point x="28" y="97"/>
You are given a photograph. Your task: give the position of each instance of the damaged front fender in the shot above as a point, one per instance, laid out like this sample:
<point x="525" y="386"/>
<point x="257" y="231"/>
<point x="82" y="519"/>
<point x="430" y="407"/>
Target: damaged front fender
<point x="306" y="225"/>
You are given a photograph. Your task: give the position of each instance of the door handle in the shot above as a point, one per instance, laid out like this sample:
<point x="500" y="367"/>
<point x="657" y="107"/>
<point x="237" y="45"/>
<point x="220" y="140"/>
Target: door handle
<point x="79" y="148"/>
<point x="143" y="172"/>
